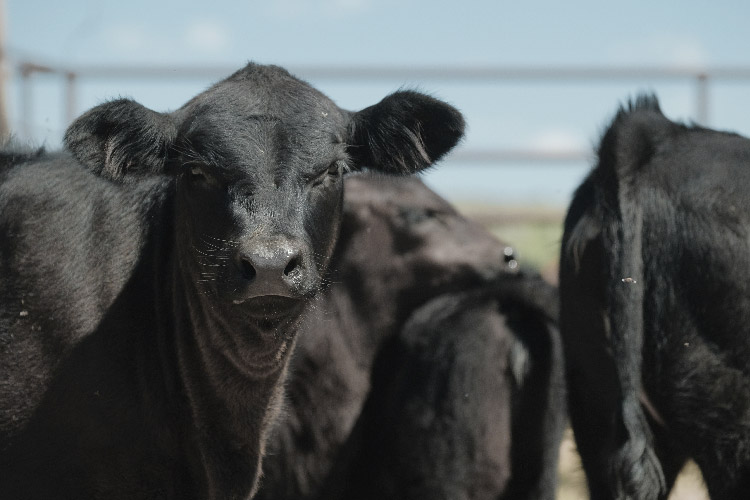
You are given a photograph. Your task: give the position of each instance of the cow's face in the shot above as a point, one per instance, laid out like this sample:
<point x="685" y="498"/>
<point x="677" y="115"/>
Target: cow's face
<point x="258" y="161"/>
<point x="259" y="190"/>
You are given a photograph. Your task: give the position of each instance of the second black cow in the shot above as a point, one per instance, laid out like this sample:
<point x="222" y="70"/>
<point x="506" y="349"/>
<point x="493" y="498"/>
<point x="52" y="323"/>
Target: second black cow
<point x="655" y="297"/>
<point x="431" y="369"/>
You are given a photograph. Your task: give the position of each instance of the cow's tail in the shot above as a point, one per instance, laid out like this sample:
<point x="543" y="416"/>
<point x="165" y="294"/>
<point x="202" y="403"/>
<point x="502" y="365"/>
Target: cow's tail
<point x="626" y="148"/>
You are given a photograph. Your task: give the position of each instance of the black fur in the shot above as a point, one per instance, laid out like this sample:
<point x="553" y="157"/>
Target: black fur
<point x="153" y="277"/>
<point x="654" y="306"/>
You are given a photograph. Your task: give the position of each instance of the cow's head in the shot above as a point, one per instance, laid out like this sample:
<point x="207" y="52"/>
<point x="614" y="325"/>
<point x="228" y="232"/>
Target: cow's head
<point x="258" y="161"/>
<point x="424" y="246"/>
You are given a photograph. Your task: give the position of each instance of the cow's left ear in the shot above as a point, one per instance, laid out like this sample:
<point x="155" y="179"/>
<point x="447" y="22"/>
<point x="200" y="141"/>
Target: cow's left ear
<point x="122" y="138"/>
<point x="404" y="133"/>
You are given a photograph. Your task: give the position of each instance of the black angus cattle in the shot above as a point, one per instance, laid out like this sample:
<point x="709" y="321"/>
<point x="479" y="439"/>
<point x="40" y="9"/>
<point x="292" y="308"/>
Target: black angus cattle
<point x="655" y="307"/>
<point x="154" y="274"/>
<point x="489" y="336"/>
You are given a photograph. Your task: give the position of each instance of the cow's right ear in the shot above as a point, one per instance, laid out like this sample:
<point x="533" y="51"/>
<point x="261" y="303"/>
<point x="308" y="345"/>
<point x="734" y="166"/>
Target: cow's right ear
<point x="122" y="138"/>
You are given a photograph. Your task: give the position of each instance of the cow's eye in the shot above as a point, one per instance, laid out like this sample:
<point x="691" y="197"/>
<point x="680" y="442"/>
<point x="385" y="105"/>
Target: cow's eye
<point x="333" y="171"/>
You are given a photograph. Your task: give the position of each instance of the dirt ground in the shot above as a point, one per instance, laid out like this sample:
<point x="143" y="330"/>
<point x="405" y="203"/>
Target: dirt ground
<point x="572" y="482"/>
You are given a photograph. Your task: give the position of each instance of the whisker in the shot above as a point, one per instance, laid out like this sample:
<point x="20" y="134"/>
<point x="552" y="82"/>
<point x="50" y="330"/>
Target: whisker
<point x="219" y="239"/>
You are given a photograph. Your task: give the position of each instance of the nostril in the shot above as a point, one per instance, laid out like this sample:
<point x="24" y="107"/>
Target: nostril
<point x="293" y="266"/>
<point x="247" y="269"/>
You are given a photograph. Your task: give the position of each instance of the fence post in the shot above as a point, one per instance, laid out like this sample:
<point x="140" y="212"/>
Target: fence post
<point x="701" y="104"/>
<point x="26" y="101"/>
<point x="70" y="97"/>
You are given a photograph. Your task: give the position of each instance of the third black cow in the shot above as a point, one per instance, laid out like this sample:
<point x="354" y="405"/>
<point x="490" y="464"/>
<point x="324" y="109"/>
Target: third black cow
<point x="655" y="290"/>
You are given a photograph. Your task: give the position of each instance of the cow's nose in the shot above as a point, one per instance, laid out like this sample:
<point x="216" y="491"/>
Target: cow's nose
<point x="275" y="271"/>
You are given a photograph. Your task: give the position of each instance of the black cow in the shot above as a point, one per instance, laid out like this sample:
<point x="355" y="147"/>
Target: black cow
<point x="153" y="277"/>
<point x="655" y="307"/>
<point x="489" y="334"/>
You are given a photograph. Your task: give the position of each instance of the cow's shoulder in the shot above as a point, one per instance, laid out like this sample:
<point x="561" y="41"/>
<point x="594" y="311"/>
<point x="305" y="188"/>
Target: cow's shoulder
<point x="69" y="242"/>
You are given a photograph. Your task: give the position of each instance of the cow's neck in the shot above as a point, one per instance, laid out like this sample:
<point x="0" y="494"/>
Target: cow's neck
<point x="232" y="400"/>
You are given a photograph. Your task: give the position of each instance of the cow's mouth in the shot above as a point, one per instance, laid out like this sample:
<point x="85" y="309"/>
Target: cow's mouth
<point x="270" y="308"/>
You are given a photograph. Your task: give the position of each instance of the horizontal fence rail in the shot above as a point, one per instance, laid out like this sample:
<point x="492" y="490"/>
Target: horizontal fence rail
<point x="463" y="73"/>
<point x="701" y="78"/>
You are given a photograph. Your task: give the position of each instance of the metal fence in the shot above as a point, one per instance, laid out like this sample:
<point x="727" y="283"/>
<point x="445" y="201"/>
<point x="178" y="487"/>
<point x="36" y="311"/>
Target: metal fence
<point x="701" y="79"/>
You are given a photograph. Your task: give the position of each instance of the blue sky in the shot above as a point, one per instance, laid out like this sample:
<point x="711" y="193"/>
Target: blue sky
<point x="568" y="115"/>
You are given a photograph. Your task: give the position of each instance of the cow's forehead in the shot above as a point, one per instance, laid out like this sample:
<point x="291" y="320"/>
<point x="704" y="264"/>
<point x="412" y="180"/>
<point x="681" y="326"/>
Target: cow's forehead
<point x="262" y="145"/>
<point x="270" y="120"/>
<point x="230" y="133"/>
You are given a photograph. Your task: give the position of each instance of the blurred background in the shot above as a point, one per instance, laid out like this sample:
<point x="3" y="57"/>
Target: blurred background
<point x="536" y="80"/>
